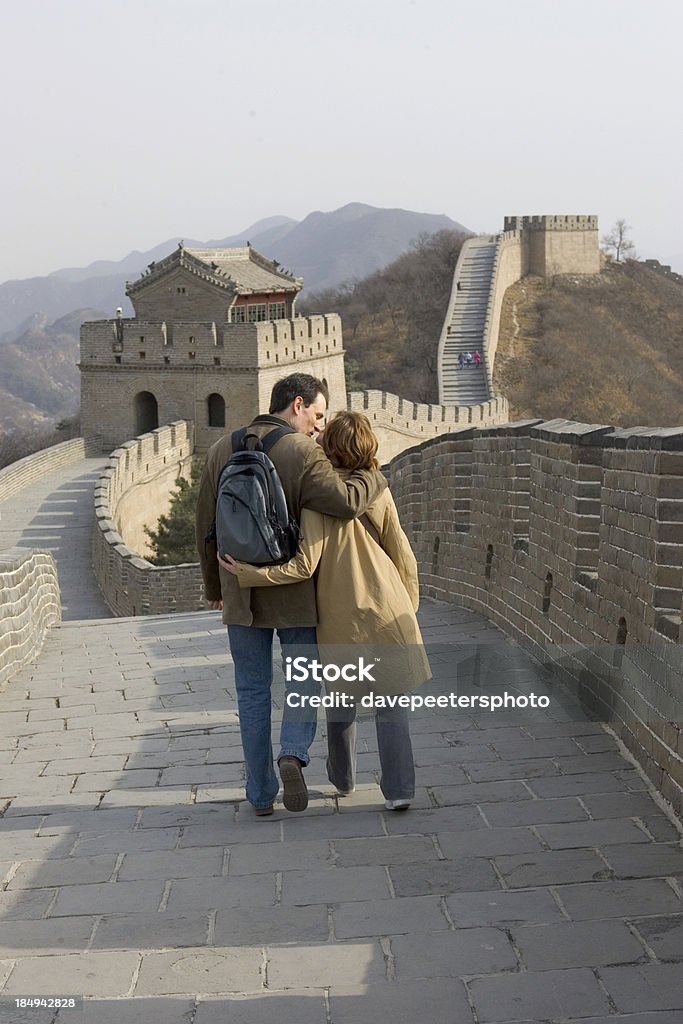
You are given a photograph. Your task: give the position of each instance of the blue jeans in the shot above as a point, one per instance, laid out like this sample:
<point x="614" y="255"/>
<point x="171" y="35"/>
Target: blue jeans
<point x="252" y="652"/>
<point x="392" y="725"/>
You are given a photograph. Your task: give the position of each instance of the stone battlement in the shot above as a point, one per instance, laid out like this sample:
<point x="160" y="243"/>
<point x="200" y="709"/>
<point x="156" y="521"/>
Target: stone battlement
<point x="544" y="222"/>
<point x="29" y="606"/>
<point x="183" y="344"/>
<point x="395" y="419"/>
<point x="128" y="497"/>
<point x="24" y="472"/>
<point x="568" y="537"/>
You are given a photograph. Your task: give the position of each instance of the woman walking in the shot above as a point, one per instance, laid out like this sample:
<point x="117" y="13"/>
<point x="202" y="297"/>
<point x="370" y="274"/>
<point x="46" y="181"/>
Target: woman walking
<point x="367" y="595"/>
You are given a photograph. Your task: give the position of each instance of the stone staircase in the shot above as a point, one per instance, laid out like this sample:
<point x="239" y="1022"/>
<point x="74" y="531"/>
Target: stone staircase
<point x="465" y="324"/>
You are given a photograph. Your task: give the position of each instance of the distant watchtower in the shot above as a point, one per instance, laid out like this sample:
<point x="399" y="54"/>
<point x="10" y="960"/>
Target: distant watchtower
<point x="557" y="244"/>
<point x="212" y="332"/>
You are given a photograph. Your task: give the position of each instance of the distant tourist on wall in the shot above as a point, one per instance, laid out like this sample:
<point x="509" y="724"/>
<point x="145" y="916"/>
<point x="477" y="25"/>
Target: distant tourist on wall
<point x="461" y="361"/>
<point x="468" y="358"/>
<point x="477" y="357"/>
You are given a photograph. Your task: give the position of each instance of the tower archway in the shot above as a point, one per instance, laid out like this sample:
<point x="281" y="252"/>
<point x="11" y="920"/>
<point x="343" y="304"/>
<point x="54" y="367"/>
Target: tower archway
<point x="216" y="410"/>
<point x="146" y="412"/>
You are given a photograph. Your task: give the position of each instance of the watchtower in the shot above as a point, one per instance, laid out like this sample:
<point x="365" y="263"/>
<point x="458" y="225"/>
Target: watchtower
<point x="212" y="332"/>
<point x="557" y="244"/>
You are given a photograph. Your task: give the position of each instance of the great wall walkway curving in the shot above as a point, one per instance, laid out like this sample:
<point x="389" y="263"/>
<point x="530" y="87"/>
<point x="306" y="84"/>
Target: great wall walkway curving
<point x="56" y="515"/>
<point x="535" y="879"/>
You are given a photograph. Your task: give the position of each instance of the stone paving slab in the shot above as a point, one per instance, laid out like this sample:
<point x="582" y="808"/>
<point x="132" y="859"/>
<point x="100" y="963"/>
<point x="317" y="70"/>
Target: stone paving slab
<point x="647" y="987"/>
<point x="663" y="935"/>
<point x="101" y="974"/>
<point x="577" y="944"/>
<point x="151" y="931"/>
<point x="453" y="954"/>
<point x="220" y="969"/>
<point x="300" y="1006"/>
<point x="598" y="900"/>
<point x="133" y="871"/>
<point x="130" y="1011"/>
<point x="400" y="916"/>
<point x="439" y="1001"/>
<point x="538" y="996"/>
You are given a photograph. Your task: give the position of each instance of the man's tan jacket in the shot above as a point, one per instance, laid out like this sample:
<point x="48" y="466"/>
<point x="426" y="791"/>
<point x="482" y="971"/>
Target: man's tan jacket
<point x="309" y="481"/>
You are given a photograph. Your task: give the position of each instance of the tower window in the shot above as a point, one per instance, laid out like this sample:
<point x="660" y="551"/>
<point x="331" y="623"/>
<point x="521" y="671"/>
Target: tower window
<point x="256" y="312"/>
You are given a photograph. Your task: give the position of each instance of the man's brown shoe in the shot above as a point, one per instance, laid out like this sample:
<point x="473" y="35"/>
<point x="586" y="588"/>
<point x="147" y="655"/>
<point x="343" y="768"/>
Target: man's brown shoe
<point x="295" y="795"/>
<point x="263" y="812"/>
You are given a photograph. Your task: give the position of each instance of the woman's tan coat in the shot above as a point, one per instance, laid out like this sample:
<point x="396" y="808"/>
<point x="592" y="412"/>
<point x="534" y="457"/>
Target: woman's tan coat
<point x="367" y="595"/>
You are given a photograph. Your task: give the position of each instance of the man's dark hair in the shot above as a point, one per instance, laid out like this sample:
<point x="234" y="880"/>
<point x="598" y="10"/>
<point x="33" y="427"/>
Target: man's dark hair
<point x="297" y="384"/>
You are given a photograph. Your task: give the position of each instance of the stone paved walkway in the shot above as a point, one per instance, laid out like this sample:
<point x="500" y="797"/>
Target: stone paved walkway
<point x="535" y="879"/>
<point x="56" y="514"/>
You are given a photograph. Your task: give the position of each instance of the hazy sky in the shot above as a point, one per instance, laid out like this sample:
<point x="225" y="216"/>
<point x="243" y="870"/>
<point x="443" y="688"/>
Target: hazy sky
<point x="125" y="123"/>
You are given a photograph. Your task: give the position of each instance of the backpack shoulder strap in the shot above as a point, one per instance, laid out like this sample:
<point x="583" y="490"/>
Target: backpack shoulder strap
<point x="274" y="435"/>
<point x="371" y="529"/>
<point x="237" y="439"/>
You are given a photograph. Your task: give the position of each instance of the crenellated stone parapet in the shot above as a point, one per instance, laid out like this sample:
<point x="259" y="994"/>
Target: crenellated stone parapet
<point x="558" y="244"/>
<point x="132" y="492"/>
<point x="569" y="537"/>
<point x="24" y="472"/>
<point x="29" y="606"/>
<point x="184" y="344"/>
<point x="400" y="424"/>
<point x="557" y="222"/>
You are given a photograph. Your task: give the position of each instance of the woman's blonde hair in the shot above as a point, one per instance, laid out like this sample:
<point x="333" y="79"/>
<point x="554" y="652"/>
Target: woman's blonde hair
<point x="349" y="441"/>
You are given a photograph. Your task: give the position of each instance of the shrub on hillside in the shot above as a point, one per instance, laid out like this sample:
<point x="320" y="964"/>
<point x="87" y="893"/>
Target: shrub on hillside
<point x="596" y="349"/>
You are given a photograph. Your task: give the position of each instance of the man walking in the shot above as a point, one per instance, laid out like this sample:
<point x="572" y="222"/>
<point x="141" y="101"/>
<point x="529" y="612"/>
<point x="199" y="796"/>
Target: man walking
<point x="252" y="615"/>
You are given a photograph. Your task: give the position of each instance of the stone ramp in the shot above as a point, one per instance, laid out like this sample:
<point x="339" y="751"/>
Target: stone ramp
<point x="535" y="879"/>
<point x="56" y="514"/>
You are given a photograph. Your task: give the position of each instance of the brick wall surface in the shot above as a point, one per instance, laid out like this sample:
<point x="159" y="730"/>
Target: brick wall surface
<point x="130" y="584"/>
<point x="570" y="538"/>
<point x="29" y="605"/>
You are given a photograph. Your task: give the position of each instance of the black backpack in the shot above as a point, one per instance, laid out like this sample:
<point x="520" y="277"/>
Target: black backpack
<point x="253" y="523"/>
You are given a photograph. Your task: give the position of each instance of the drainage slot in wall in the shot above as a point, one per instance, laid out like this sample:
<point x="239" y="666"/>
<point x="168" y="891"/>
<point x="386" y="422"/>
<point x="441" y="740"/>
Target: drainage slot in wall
<point x="435" y="555"/>
<point x="547" y="590"/>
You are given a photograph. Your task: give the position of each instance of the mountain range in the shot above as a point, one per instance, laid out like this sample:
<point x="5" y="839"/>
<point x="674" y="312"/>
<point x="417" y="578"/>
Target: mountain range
<point x="40" y="317"/>
<point x="326" y="249"/>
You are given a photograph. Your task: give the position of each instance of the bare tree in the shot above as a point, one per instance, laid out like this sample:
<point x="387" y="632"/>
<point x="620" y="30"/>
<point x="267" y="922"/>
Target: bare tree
<point x="617" y="242"/>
